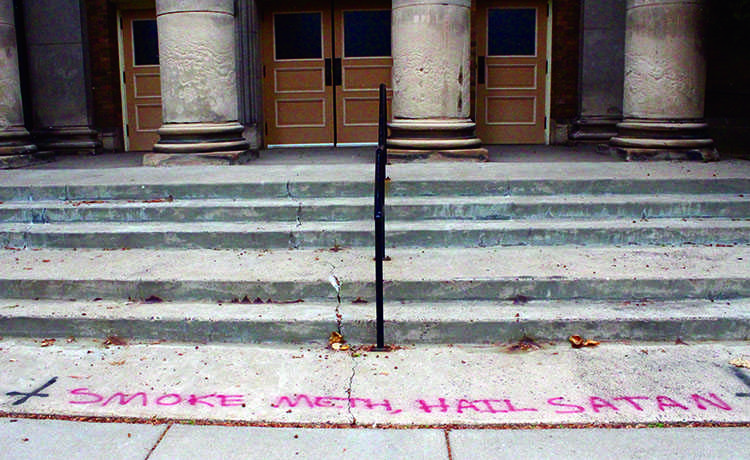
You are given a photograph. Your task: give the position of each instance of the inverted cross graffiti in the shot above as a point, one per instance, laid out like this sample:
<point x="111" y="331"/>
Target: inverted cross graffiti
<point x="37" y="392"/>
<point x="745" y="379"/>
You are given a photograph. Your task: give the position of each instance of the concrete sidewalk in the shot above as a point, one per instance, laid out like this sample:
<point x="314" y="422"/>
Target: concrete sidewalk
<point x="29" y="440"/>
<point x="307" y="401"/>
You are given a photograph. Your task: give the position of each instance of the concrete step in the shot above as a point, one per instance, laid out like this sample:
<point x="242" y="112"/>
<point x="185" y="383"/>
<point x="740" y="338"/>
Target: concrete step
<point x="432" y="179"/>
<point x="361" y="208"/>
<point x="425" y="275"/>
<point x="406" y="322"/>
<point x="399" y="234"/>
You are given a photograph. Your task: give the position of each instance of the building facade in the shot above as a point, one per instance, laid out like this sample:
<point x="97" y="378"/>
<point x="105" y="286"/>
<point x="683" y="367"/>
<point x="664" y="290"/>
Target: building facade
<point x="227" y="76"/>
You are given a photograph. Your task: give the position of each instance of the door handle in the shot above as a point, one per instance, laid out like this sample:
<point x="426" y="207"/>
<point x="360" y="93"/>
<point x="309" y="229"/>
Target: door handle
<point x="337" y="72"/>
<point x="480" y="70"/>
<point x="328" y="70"/>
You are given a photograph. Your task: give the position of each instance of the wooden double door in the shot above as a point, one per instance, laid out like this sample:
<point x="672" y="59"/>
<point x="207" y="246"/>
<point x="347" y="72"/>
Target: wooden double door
<point x="512" y="71"/>
<point x="322" y="65"/>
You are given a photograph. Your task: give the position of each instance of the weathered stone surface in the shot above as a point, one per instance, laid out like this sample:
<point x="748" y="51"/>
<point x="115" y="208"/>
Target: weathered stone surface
<point x="60" y="95"/>
<point x="601" y="74"/>
<point x="13" y="135"/>
<point x="431" y="59"/>
<point x="196" y="53"/>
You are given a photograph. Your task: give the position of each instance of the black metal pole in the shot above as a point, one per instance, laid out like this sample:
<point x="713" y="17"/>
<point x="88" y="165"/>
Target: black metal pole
<point x="381" y="156"/>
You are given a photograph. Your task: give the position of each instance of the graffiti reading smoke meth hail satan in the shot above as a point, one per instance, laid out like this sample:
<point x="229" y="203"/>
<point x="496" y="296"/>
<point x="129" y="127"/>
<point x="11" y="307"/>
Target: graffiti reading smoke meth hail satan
<point x="697" y="402"/>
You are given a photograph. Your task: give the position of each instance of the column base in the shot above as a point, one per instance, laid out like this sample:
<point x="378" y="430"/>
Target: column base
<point x="663" y="140"/>
<point x="186" y="138"/>
<point x="434" y="138"/>
<point x="68" y="140"/>
<point x="594" y="129"/>
<point x="16" y="140"/>
<point x="404" y="155"/>
<point x="195" y="159"/>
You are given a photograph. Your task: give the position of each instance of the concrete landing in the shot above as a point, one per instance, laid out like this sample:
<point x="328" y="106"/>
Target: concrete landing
<point x="430" y="386"/>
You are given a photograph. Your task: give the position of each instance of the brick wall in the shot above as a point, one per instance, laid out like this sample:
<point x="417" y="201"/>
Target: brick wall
<point x="566" y="17"/>
<point x="105" y="70"/>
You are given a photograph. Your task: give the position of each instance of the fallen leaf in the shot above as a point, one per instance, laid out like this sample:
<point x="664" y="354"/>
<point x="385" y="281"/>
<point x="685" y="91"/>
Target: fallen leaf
<point x="78" y="203"/>
<point x="740" y="362"/>
<point x="520" y="299"/>
<point x="114" y="340"/>
<point x="526" y="343"/>
<point x="48" y="342"/>
<point x="335" y="337"/>
<point x="679" y="341"/>
<point x="117" y="363"/>
<point x="337" y="342"/>
<point x="576" y="341"/>
<point x="168" y="199"/>
<point x="153" y="299"/>
<point x="359" y="300"/>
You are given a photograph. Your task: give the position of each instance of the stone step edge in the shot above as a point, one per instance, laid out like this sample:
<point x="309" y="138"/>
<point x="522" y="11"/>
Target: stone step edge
<point x="360" y="225"/>
<point x="634" y="198"/>
<point x="360" y="234"/>
<point x="450" y="322"/>
<point x="404" y="187"/>
<point x="428" y="291"/>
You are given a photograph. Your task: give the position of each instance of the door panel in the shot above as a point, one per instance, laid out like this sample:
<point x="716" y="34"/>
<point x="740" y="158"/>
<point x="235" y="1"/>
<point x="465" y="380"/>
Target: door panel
<point x="511" y="86"/>
<point x="142" y="85"/>
<point x="322" y="69"/>
<point x="297" y="88"/>
<point x="364" y="44"/>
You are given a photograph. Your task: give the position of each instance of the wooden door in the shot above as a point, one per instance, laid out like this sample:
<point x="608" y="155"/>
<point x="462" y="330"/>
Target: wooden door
<point x="363" y="57"/>
<point x="297" y="80"/>
<point x="512" y="67"/>
<point x="141" y="74"/>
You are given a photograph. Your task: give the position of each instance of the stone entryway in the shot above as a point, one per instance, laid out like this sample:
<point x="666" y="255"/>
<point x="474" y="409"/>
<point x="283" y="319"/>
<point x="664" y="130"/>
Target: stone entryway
<point x="322" y="64"/>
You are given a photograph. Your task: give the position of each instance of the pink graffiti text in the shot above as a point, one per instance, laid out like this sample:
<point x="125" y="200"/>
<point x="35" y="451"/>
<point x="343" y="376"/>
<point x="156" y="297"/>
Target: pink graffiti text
<point x="333" y="402"/>
<point x="87" y="396"/>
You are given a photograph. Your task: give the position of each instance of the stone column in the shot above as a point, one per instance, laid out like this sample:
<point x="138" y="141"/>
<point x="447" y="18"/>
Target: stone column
<point x="14" y="139"/>
<point x="665" y="82"/>
<point x="601" y="74"/>
<point x="431" y="80"/>
<point x="198" y="83"/>
<point x="58" y="73"/>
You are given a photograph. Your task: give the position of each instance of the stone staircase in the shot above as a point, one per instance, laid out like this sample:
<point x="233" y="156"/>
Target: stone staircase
<point x="479" y="253"/>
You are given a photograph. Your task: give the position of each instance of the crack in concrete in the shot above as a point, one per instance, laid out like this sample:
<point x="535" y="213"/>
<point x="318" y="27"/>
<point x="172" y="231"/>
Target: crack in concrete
<point x="298" y="217"/>
<point x="289" y="190"/>
<point x="337" y="286"/>
<point x="349" y="390"/>
<point x="333" y="279"/>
